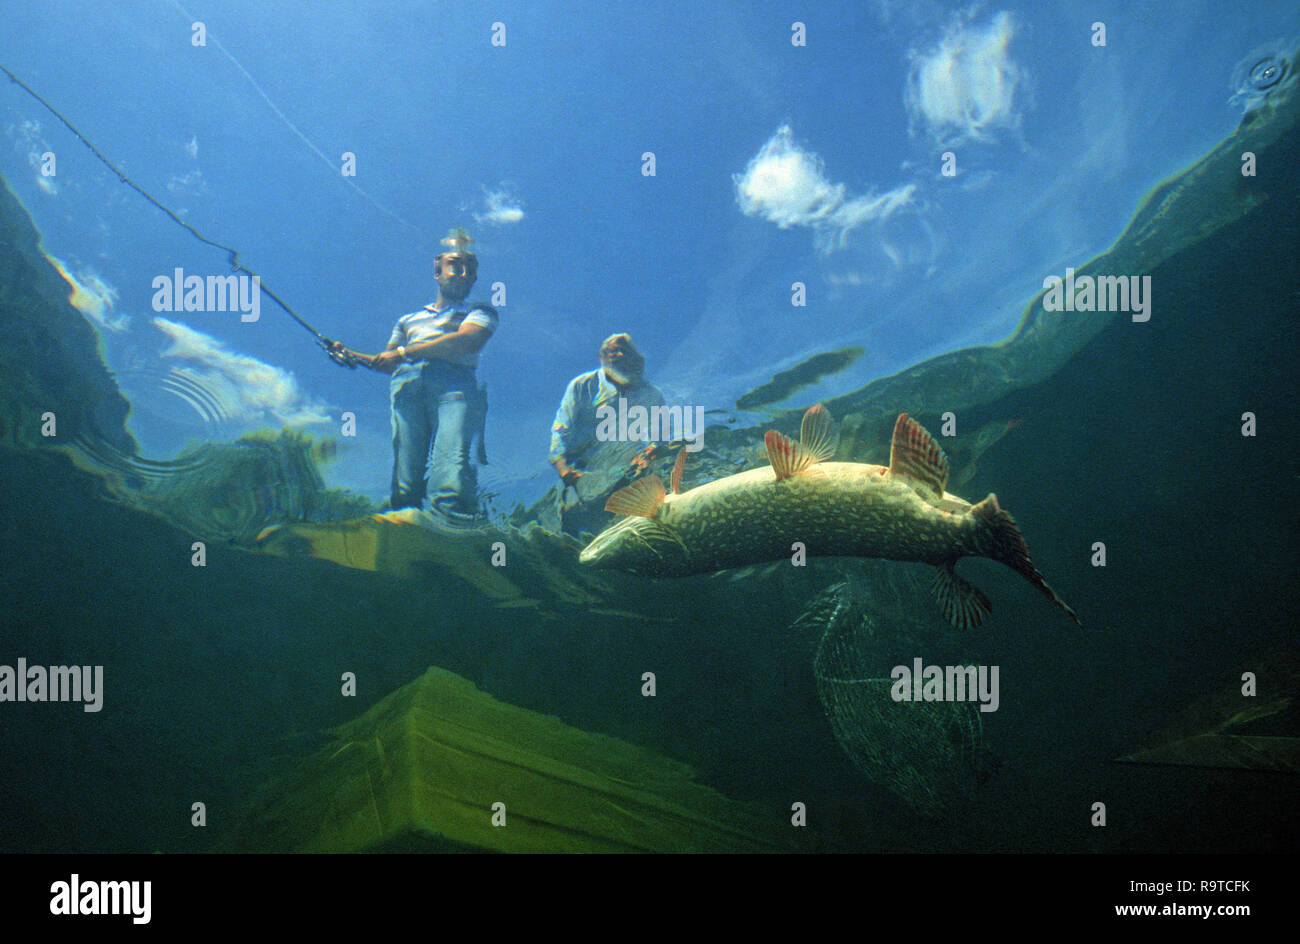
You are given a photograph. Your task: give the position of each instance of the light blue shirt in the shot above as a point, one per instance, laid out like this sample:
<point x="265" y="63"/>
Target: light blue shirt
<point x="574" y="429"/>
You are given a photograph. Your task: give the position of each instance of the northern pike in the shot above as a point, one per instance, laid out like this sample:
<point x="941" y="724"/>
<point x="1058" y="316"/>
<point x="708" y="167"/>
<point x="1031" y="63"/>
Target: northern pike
<point x="847" y="509"/>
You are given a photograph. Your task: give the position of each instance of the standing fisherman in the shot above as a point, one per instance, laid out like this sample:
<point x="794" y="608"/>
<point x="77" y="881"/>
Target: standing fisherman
<point x="574" y="439"/>
<point x="438" y="407"/>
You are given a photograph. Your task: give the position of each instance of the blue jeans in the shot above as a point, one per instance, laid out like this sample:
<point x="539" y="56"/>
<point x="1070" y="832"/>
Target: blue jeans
<point x="434" y="406"/>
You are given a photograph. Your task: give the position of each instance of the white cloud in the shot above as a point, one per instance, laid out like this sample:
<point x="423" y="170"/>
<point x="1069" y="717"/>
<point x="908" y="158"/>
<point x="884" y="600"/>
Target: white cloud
<point x="190" y="184"/>
<point x="966" y="85"/>
<point x="501" y="208"/>
<point x="247" y="389"/>
<point x="92" y="296"/>
<point x="28" y="135"/>
<point x="787" y="185"/>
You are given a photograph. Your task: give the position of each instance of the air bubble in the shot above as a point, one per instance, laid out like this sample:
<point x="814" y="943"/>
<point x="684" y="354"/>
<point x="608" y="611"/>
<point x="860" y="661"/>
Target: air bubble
<point x="1260" y="74"/>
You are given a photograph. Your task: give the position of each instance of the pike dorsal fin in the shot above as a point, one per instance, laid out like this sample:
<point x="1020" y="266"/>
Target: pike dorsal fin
<point x="916" y="457"/>
<point x="816" y="443"/>
<point x="677" y="471"/>
<point x="642" y="498"/>
<point x="817" y="433"/>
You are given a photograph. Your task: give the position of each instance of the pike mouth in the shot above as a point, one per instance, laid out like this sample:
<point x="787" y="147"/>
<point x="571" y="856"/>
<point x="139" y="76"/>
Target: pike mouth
<point x="596" y="554"/>
<point x="645" y="541"/>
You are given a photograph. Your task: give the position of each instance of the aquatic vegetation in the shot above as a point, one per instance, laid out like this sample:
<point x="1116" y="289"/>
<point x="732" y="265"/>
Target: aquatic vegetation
<point x="67" y="379"/>
<point x="233" y="491"/>
<point x="787" y="383"/>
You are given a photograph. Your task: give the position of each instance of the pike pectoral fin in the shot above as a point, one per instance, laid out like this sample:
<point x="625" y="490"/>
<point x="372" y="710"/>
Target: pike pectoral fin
<point x="642" y="498"/>
<point x="677" y="471"/>
<point x="962" y="604"/>
<point x="915" y="456"/>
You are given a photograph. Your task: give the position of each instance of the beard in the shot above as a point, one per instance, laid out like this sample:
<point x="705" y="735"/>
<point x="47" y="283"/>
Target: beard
<point x="625" y="374"/>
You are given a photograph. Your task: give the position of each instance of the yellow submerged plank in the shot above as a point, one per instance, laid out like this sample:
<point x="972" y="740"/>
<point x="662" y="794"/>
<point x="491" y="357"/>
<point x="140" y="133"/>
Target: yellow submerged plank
<point x="1231" y="729"/>
<point x="395" y="544"/>
<point x="443" y="760"/>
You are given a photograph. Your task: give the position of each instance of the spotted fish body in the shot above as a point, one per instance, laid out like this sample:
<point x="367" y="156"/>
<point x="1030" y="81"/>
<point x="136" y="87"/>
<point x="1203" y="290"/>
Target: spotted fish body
<point x="839" y="509"/>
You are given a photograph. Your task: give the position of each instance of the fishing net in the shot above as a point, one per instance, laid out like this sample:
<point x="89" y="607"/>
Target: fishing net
<point x="928" y="753"/>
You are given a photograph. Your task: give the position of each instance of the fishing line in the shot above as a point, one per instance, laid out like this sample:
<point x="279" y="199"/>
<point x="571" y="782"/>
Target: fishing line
<point x="232" y="254"/>
<point x="294" y="128"/>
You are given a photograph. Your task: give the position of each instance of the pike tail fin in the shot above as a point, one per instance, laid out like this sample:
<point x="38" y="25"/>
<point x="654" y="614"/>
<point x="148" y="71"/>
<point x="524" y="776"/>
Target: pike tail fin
<point x="1004" y="544"/>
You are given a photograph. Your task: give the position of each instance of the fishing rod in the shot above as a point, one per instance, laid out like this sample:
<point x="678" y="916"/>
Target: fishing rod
<point x="336" y="352"/>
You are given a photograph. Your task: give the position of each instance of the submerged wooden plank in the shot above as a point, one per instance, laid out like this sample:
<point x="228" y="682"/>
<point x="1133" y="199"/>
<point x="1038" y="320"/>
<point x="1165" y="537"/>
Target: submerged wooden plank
<point x="1231" y="730"/>
<point x="429" y="764"/>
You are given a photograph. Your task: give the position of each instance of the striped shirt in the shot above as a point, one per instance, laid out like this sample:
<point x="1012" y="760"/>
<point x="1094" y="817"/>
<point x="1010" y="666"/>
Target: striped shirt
<point x="427" y="324"/>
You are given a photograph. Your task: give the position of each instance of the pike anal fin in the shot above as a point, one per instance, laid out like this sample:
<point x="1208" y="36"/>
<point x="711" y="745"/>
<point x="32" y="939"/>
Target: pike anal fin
<point x="962" y="603"/>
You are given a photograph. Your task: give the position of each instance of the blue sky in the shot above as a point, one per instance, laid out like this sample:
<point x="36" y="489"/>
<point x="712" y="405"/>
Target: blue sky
<point x="775" y="163"/>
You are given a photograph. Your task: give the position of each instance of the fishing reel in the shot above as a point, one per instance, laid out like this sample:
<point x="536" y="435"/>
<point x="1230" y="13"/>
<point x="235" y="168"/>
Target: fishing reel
<point x="339" y="354"/>
<point x="641" y="461"/>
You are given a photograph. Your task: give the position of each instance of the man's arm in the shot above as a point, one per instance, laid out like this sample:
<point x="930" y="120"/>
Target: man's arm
<point x="469" y="339"/>
<point x="369" y="360"/>
<point x="560" y="434"/>
<point x="365" y="360"/>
